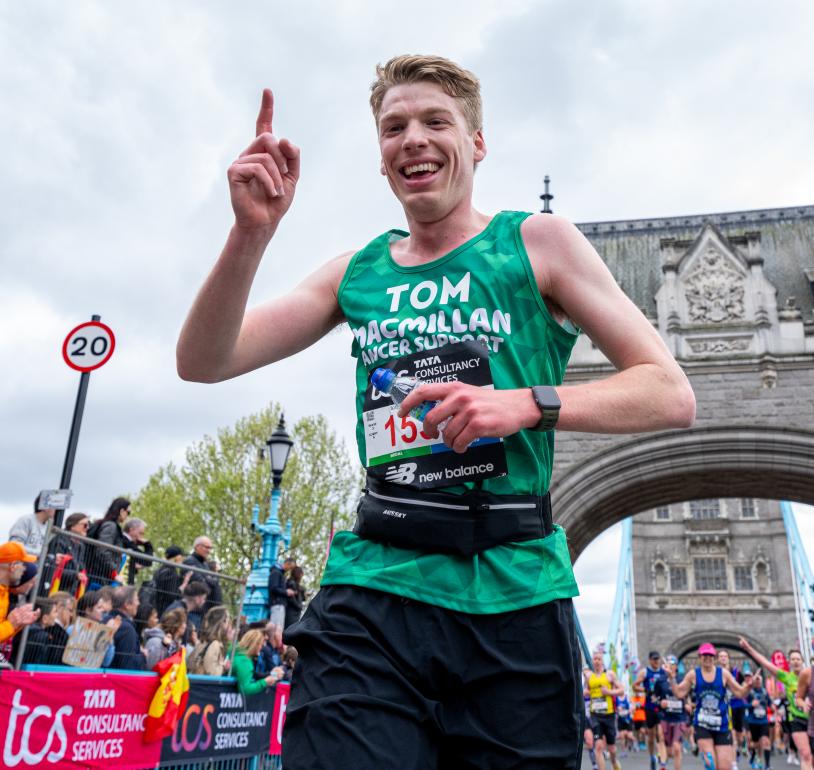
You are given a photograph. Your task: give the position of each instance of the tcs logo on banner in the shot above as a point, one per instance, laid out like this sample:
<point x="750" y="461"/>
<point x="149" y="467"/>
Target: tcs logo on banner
<point x="195" y="717"/>
<point x="39" y="720"/>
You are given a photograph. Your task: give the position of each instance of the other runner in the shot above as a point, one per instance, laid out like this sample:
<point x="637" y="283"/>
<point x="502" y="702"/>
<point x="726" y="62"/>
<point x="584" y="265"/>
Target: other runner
<point x="757" y="719"/>
<point x="737" y="710"/>
<point x="652" y="681"/>
<point x="710" y="683"/>
<point x="624" y="723"/>
<point x="603" y="687"/>
<point x="672" y="716"/>
<point x="797" y="717"/>
<point x="639" y="721"/>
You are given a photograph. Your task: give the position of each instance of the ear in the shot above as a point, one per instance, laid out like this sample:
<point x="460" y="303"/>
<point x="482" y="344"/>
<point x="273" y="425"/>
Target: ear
<point x="480" y="146"/>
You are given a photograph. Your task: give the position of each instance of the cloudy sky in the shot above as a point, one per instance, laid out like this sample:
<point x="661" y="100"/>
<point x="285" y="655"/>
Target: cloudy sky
<point x="120" y="120"/>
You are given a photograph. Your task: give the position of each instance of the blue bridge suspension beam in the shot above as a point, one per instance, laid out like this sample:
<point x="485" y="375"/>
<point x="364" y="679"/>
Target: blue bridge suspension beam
<point x="622" y="649"/>
<point x="803" y="580"/>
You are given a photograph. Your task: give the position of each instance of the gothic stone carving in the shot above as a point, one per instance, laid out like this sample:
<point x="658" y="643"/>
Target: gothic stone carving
<point x="714" y="291"/>
<point x="720" y="346"/>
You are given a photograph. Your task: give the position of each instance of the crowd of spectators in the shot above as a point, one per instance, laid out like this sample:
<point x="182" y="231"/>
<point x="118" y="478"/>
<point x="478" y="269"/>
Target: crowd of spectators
<point x="150" y="612"/>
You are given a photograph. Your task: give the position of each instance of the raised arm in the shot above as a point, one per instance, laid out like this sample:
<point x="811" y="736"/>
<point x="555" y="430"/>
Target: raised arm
<point x="757" y="657"/>
<point x="649" y="390"/>
<point x="220" y="339"/>
<point x="682" y="690"/>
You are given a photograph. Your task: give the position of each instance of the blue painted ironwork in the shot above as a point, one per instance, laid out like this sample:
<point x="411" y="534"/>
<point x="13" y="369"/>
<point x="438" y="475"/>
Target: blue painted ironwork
<point x="621" y="652"/>
<point x="256" y="603"/>
<point x="803" y="580"/>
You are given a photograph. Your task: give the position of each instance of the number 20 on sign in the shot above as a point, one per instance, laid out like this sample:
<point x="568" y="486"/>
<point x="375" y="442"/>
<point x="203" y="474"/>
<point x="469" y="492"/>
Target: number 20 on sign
<point x="88" y="346"/>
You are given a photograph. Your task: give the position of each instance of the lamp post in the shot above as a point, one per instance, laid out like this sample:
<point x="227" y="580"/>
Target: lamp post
<point x="256" y="603"/>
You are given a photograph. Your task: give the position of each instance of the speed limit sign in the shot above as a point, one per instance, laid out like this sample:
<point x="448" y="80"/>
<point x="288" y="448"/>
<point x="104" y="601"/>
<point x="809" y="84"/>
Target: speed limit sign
<point x="88" y="346"/>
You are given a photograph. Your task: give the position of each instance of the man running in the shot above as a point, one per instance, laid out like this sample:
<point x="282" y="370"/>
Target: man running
<point x="454" y="539"/>
<point x="603" y="687"/>
<point x="757" y="719"/>
<point x="639" y="721"/>
<point x="737" y="710"/>
<point x="624" y="723"/>
<point x="652" y="682"/>
<point x="797" y="717"/>
<point x="672" y="711"/>
<point x="709" y="683"/>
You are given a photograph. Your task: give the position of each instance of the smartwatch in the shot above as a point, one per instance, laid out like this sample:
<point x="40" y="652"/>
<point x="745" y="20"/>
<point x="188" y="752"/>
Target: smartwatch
<point x="548" y="402"/>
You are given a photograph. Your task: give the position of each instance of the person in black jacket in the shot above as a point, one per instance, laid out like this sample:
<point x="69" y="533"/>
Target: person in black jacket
<point x="128" y="648"/>
<point x="294" y="602"/>
<point x="200" y="556"/>
<point x="77" y="523"/>
<point x="105" y="564"/>
<point x="278" y="591"/>
<point x="38" y="644"/>
<point x="134" y="540"/>
<point x="168" y="580"/>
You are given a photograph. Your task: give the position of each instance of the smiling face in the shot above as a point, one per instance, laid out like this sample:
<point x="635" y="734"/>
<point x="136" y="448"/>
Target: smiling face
<point x="428" y="152"/>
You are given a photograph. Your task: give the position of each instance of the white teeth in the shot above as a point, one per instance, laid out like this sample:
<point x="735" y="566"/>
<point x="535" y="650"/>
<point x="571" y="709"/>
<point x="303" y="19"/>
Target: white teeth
<point x="408" y="170"/>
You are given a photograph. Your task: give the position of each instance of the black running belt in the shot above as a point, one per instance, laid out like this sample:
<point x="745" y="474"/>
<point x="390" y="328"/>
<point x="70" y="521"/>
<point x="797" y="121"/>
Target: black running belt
<point x="440" y="521"/>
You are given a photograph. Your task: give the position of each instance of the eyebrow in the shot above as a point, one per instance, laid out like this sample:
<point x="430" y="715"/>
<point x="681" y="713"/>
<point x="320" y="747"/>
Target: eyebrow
<point x="399" y="114"/>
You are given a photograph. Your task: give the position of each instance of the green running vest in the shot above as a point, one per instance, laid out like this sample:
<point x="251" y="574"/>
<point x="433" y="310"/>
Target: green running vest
<point x="484" y="289"/>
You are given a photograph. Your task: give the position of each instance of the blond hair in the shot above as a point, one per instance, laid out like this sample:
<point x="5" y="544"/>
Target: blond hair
<point x="252" y="638"/>
<point x="454" y="79"/>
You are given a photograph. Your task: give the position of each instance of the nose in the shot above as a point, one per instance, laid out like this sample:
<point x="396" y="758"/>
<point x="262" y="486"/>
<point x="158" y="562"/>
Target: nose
<point x="414" y="135"/>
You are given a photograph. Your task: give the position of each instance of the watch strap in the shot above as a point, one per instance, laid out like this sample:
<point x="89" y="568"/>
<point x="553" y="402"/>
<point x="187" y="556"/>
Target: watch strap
<point x="548" y="402"/>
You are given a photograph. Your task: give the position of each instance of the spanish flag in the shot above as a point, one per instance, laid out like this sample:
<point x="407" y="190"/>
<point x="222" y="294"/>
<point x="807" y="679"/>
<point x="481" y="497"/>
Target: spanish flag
<point x="170" y="697"/>
<point x="81" y="585"/>
<point x="62" y="560"/>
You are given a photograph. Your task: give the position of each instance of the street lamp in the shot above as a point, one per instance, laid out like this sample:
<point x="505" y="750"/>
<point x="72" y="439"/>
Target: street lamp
<point x="256" y="604"/>
<point x="279" y="446"/>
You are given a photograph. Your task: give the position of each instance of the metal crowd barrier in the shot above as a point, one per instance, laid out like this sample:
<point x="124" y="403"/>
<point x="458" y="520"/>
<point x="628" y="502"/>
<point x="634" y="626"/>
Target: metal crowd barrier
<point x="232" y="593"/>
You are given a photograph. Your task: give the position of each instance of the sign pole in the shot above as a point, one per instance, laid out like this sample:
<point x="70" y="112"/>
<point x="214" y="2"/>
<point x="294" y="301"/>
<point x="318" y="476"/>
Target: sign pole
<point x="73" y="437"/>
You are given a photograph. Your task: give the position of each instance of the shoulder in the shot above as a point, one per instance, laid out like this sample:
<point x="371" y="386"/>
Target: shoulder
<point x="23" y="523"/>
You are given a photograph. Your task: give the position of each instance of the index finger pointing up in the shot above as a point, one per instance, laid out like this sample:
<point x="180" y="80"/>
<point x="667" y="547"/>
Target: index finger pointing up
<point x="266" y="114"/>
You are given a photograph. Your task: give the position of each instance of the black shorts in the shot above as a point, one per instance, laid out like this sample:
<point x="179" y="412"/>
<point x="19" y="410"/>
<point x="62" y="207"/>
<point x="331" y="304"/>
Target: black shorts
<point x="738" y="718"/>
<point x="758" y="731"/>
<point x="798" y="725"/>
<point x="386" y="682"/>
<point x="651" y="717"/>
<point x="604" y="726"/>
<point x="623" y="723"/>
<point x="718" y="739"/>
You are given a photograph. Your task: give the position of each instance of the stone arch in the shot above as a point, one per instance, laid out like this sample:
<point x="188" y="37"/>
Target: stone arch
<point x="658" y="469"/>
<point x="720" y="637"/>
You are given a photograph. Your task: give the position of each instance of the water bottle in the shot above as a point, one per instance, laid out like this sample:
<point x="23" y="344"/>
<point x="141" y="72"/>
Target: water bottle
<point x="398" y="388"/>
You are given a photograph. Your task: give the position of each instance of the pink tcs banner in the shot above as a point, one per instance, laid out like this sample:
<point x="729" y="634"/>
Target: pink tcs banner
<point x="56" y="721"/>
<point x="282" y="692"/>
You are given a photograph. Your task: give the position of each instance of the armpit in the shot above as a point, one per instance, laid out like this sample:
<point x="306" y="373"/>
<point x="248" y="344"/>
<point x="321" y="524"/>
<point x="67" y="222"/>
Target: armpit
<point x="559" y="315"/>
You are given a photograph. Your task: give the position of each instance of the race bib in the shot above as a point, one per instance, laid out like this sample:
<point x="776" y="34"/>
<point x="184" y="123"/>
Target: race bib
<point x="758" y="712"/>
<point x="675" y="706"/>
<point x="623" y="712"/>
<point x="709" y="719"/>
<point x="399" y="452"/>
<point x="599" y="706"/>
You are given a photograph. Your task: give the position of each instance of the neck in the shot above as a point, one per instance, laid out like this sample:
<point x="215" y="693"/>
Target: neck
<point x="431" y="238"/>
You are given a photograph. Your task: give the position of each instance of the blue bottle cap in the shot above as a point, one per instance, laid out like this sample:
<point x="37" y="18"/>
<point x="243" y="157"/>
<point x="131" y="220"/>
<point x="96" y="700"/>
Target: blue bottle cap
<point x="381" y="379"/>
